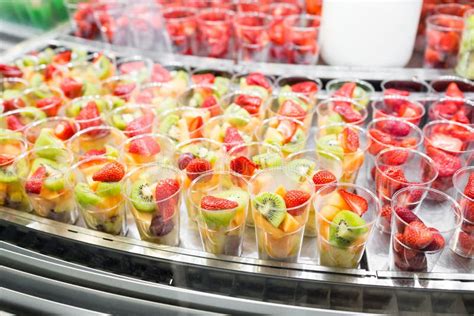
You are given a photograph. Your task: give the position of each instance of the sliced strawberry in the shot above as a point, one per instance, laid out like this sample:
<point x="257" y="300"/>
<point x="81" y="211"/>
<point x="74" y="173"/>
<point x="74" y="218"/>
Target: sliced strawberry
<point x="381" y="136"/>
<point x="257" y="79"/>
<point x="194" y="125"/>
<point x="389" y="92"/>
<point x="438" y="241"/>
<point x="144" y="146"/>
<point x="306" y="87"/>
<point x="417" y="235"/>
<point x="206" y="79"/>
<point x="140" y="125"/>
<point x="287" y="128"/>
<point x="93" y="153"/>
<point x="250" y="103"/>
<point x="461" y="117"/>
<point x="469" y="189"/>
<point x="166" y="188"/>
<point x="406" y="214"/>
<point x="350" y="140"/>
<point x="64" y="131"/>
<point x="63" y="57"/>
<point x="386" y="212"/>
<point x="466" y="243"/>
<point x="356" y="202"/>
<point x="196" y="167"/>
<point x="395" y="157"/>
<point x="6" y="160"/>
<point x="71" y="88"/>
<point x="8" y="71"/>
<point x="131" y="67"/>
<point x="292" y="109"/>
<point x="12" y="104"/>
<point x="184" y="160"/>
<point x="160" y="74"/>
<point x="49" y="105"/>
<point x="397" y="128"/>
<point x="323" y="177"/>
<point x="35" y="182"/>
<point x="49" y="72"/>
<point x="232" y="138"/>
<point x="346" y="90"/>
<point x="212" y="203"/>
<point x="89" y="116"/>
<point x="396" y="177"/>
<point x="210" y="103"/>
<point x="348" y="113"/>
<point x="453" y="91"/>
<point x="124" y="90"/>
<point x="446" y="142"/>
<point x="111" y="172"/>
<point x="243" y="166"/>
<point x="446" y="164"/>
<point x="14" y="124"/>
<point x="294" y="199"/>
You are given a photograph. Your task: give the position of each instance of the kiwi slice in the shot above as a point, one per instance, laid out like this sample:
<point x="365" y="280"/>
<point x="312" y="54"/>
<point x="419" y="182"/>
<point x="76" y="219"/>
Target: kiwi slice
<point x="196" y="100"/>
<point x="284" y="93"/>
<point x="85" y="196"/>
<point x="237" y="116"/>
<point x="7" y="175"/>
<point x="54" y="183"/>
<point x="168" y="122"/>
<point x="142" y="196"/>
<point x="201" y="152"/>
<point x="222" y="85"/>
<point x="108" y="189"/>
<point x="73" y="110"/>
<point x="38" y="162"/>
<point x="345" y="228"/>
<point x="271" y="206"/>
<point x="297" y="142"/>
<point x="267" y="160"/>
<point x="329" y="143"/>
<point x="46" y="139"/>
<point x="215" y="219"/>
<point x="273" y="137"/>
<point x="33" y="113"/>
<point x="334" y="119"/>
<point x="301" y="168"/>
<point x="119" y="122"/>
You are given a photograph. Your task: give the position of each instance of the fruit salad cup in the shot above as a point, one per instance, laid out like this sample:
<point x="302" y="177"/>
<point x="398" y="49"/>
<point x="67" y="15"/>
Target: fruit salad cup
<point x="395" y="169"/>
<point x="48" y="183"/>
<point x="112" y="22"/>
<point x="203" y="97"/>
<point x="251" y="36"/>
<point x="280" y="208"/>
<point x="220" y="80"/>
<point x="47" y="99"/>
<point x="96" y="141"/>
<point x="348" y="143"/>
<point x="406" y="87"/>
<point x="421" y="228"/>
<point x="400" y="107"/>
<point x="308" y="87"/>
<point x="230" y="130"/>
<point x="215" y="32"/>
<point x="322" y="169"/>
<point x="136" y="67"/>
<point x="17" y="120"/>
<point x="302" y="39"/>
<point x="244" y="104"/>
<point x="452" y="109"/>
<point x="340" y="110"/>
<point x="183" y="123"/>
<point x="254" y="83"/>
<point x="154" y="198"/>
<point x="196" y="157"/>
<point x="147" y="148"/>
<point x="51" y="131"/>
<point x="221" y="200"/>
<point x="358" y="90"/>
<point x="99" y="194"/>
<point x="12" y="193"/>
<point x="452" y="86"/>
<point x="345" y="217"/>
<point x="88" y="69"/>
<point x="443" y="38"/>
<point x="293" y="106"/>
<point x="124" y="87"/>
<point x="133" y="119"/>
<point x="463" y="181"/>
<point x="11" y="93"/>
<point x="88" y="111"/>
<point x="285" y="133"/>
<point x="451" y="146"/>
<point x="182" y="28"/>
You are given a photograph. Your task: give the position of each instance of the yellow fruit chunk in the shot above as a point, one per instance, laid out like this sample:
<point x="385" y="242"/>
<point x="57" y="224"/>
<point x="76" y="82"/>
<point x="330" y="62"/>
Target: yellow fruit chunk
<point x="329" y="212"/>
<point x="289" y="224"/>
<point x="337" y="201"/>
<point x="353" y="162"/>
<point x="263" y="224"/>
<point x="280" y="191"/>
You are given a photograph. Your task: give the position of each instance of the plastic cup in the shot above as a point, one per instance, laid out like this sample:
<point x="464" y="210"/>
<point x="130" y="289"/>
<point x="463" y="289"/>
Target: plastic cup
<point x="302" y="39"/>
<point x="282" y="242"/>
<point x="47" y="183"/>
<point x="17" y="120"/>
<point x="59" y="128"/>
<point x="397" y="168"/>
<point x="183" y="123"/>
<point x="124" y="87"/>
<point x="220" y="236"/>
<point x="48" y="99"/>
<point x="96" y="141"/>
<point x="463" y="244"/>
<point x="157" y="220"/>
<point x="464" y="66"/>
<point x="182" y="28"/>
<point x="251" y="35"/>
<point x="340" y="110"/>
<point x="439" y="213"/>
<point x="414" y="85"/>
<point x="218" y="4"/>
<point x="221" y="80"/>
<point x="203" y="97"/>
<point x="73" y="109"/>
<point x="112" y="22"/>
<point x="452" y="109"/>
<point x="440" y="84"/>
<point x="340" y="252"/>
<point x="254" y="82"/>
<point x="252" y="101"/>
<point x="400" y="107"/>
<point x="321" y="162"/>
<point x="133" y="119"/>
<point x="106" y="211"/>
<point x="215" y="32"/>
<point x="11" y="90"/>
<point x="309" y="87"/>
<point x="217" y="127"/>
<point x="147" y="148"/>
<point x="361" y="94"/>
<point x="291" y="105"/>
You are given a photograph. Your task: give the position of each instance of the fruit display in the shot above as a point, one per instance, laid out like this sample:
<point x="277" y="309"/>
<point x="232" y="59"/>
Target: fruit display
<point x="398" y="105"/>
<point x="340" y="110"/>
<point x="463" y="181"/>
<point x="345" y="216"/>
<point x="181" y="26"/>
<point x="280" y="200"/>
<point x="287" y="134"/>
<point x="465" y="65"/>
<point x="358" y="90"/>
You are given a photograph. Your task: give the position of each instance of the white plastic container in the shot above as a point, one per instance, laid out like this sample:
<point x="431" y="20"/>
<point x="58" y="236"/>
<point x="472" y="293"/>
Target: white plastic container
<point x="378" y="33"/>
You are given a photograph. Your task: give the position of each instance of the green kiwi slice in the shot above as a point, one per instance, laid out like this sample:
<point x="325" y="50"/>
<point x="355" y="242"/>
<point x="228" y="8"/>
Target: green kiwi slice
<point x="54" y="183"/>
<point x="297" y="142"/>
<point x="345" y="228"/>
<point x="142" y="196"/>
<point x="85" y="196"/>
<point x="271" y="206"/>
<point x="267" y="160"/>
<point x="108" y="189"/>
<point x="301" y="168"/>
<point x="236" y="115"/>
<point x="168" y="122"/>
<point x="46" y="139"/>
<point x="119" y="122"/>
<point x="330" y="143"/>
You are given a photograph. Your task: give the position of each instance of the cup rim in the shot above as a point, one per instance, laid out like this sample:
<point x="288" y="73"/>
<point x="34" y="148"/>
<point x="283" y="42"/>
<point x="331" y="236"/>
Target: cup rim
<point x="25" y="157"/>
<point x="265" y="17"/>
<point x="243" y="73"/>
<point x="314" y="17"/>
<point x="275" y="97"/>
<point x="362" y="83"/>
<point x="316" y="80"/>
<point x="414" y="79"/>
<point x="228" y="16"/>
<point x="455" y="99"/>
<point x="17" y="80"/>
<point x="167" y="10"/>
<point x="93" y="128"/>
<point x="445" y="122"/>
<point x="450" y="79"/>
<point x="358" y="107"/>
<point x="268" y="7"/>
<point x="35" y="124"/>
<point x="147" y="62"/>
<point x="457" y="174"/>
<point x="381" y="101"/>
<point x="412" y="126"/>
<point x="431" y="23"/>
<point x="159" y="136"/>
<point x="440" y="6"/>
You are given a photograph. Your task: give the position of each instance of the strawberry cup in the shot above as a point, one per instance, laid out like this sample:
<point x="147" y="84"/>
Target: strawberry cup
<point x="221" y="200"/>
<point x="453" y="109"/>
<point x="48" y="183"/>
<point x="421" y="228"/>
<point x="12" y="193"/>
<point x="11" y="90"/>
<point x="137" y="67"/>
<point x="133" y="119"/>
<point x="358" y="90"/>
<point x="51" y="131"/>
<point x="147" y="148"/>
<point x="340" y="110"/>
<point x="395" y="169"/>
<point x="308" y="87"/>
<point x="88" y="111"/>
<point x="443" y="37"/>
<point x="220" y="80"/>
<point x="204" y="97"/>
<point x="285" y="133"/>
<point x="17" y="120"/>
<point x="183" y="123"/>
<point x="112" y="21"/>
<point x="302" y="39"/>
<point x="96" y="141"/>
<point x="154" y="198"/>
<point x="230" y="130"/>
<point x="124" y="87"/>
<point x="345" y="217"/>
<point x="280" y="206"/>
<point x="398" y="106"/>
<point x="182" y="28"/>
<point x="244" y="104"/>
<point x="452" y="86"/>
<point x="254" y="83"/>
<point x="322" y="168"/>
<point x="196" y="157"/>
<point x="291" y="105"/>
<point x="251" y="35"/>
<point x="463" y="181"/>
<point x="215" y="32"/>
<point x="47" y="99"/>
<point x="98" y="194"/>
<point x="451" y="146"/>
<point x="348" y="142"/>
<point x="82" y="18"/>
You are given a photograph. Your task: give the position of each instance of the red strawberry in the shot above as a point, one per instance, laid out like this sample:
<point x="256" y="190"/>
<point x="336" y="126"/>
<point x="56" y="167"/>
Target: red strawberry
<point x="203" y="78"/>
<point x="466" y="243"/>
<point x="124" y="90"/>
<point x="194" y="125"/>
<point x="140" y="125"/>
<point x="356" y="202"/>
<point x="212" y="203"/>
<point x="323" y="177"/>
<point x="166" y="188"/>
<point x="453" y="91"/>
<point x="196" y="167"/>
<point x="469" y="189"/>
<point x="446" y="164"/>
<point x="396" y="92"/>
<point x="380" y="136"/>
<point x="350" y="140"/>
<point x="211" y="103"/>
<point x="243" y="166"/>
<point x="49" y="72"/>
<point x="292" y="109"/>
<point x="438" y="241"/>
<point x="295" y="198"/>
<point x="35" y="182"/>
<point x="160" y="74"/>
<point x="398" y="129"/>
<point x="398" y="242"/>
<point x="306" y="87"/>
<point x="71" y="88"/>
<point x="49" y="105"/>
<point x="8" y="71"/>
<point x="406" y="215"/>
<point x="386" y="212"/>
<point x="461" y="117"/>
<point x="144" y="146"/>
<point x="12" y="104"/>
<point x="250" y="103"/>
<point x="287" y="128"/>
<point x="64" y="131"/>
<point x="131" y="67"/>
<point x="14" y="124"/>
<point x="93" y="153"/>
<point x="347" y="112"/>
<point x="166" y="209"/>
<point x="232" y="138"/>
<point x="184" y="159"/>
<point x="89" y="116"/>
<point x="258" y="79"/>
<point x="111" y="172"/>
<point x="6" y="160"/>
<point x="446" y="142"/>
<point x="417" y="235"/>
<point x="63" y="57"/>
<point x="395" y="157"/>
<point x="346" y="90"/>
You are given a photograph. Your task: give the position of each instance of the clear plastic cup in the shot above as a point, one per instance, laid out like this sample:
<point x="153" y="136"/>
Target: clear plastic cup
<point x="418" y="240"/>
<point x="133" y="119"/>
<point x="203" y="97"/>
<point x="217" y="127"/>
<point x="251" y="101"/>
<point x="82" y="18"/>
<point x="251" y="35"/>
<point x="455" y="9"/>
<point x="11" y="90"/>
<point x="302" y="39"/>
<point x="96" y="116"/>
<point x="156" y="216"/>
<point x="147" y="148"/>
<point x="400" y="107"/>
<point x="215" y="32"/>
<point x="17" y="120"/>
<point x="254" y="83"/>
<point x="220" y="79"/>
<point x="112" y="22"/>
<point x="452" y="109"/>
<point x="441" y="84"/>
<point x="136" y="67"/>
<point x="182" y="29"/>
<point x="59" y="129"/>
<point x="307" y="86"/>
<point x="123" y="86"/>
<point x="340" y="110"/>
<point x="47" y="99"/>
<point x="463" y="244"/>
<point x="291" y="105"/>
<point x="343" y="249"/>
<point x="361" y="93"/>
